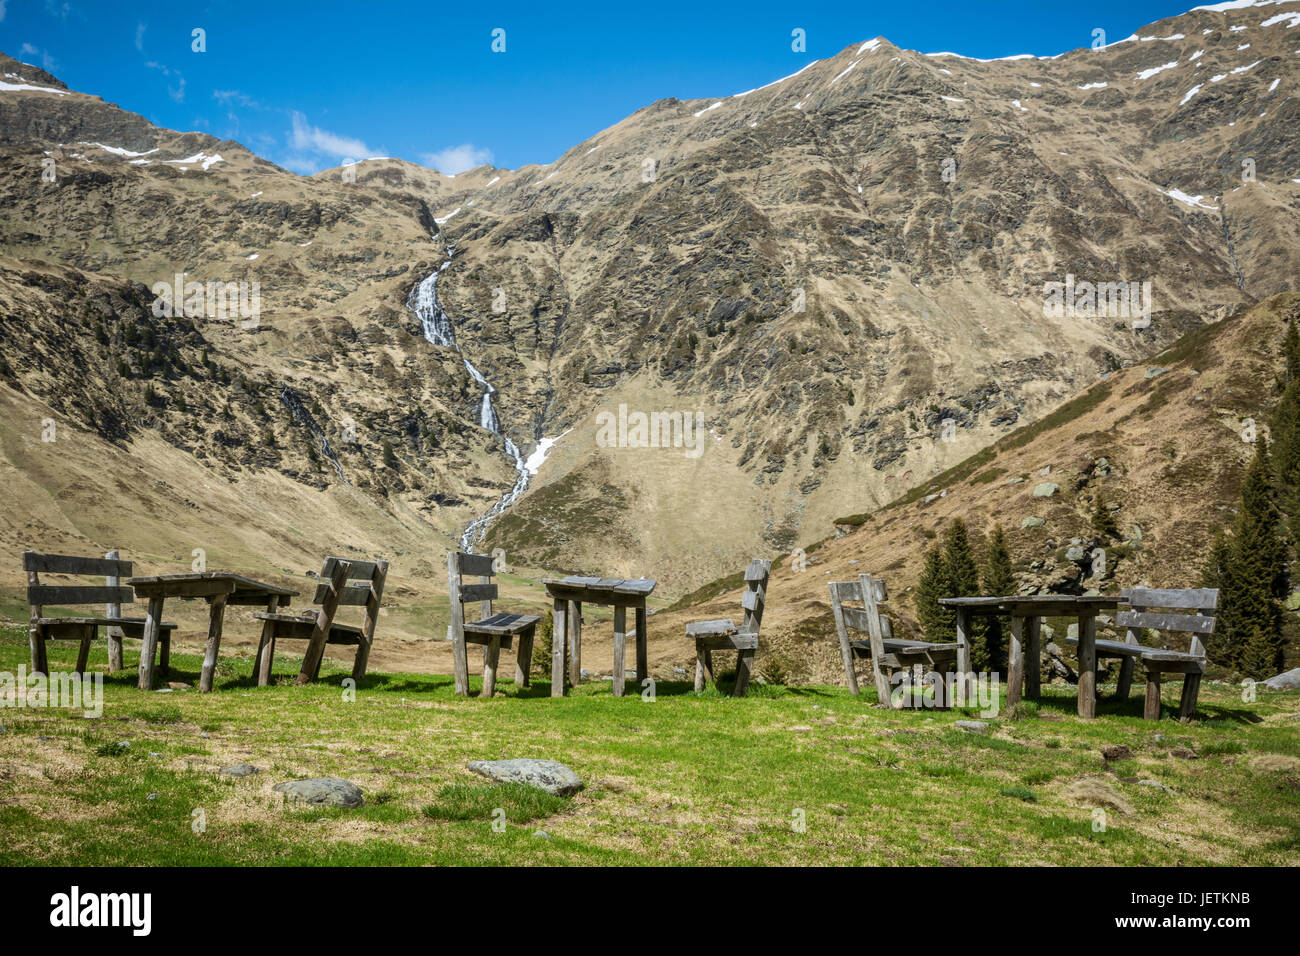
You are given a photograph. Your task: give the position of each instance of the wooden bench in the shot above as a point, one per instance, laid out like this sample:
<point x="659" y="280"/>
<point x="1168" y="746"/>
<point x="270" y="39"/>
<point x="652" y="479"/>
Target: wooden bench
<point x="888" y="653"/>
<point x="84" y="629"/>
<point x="492" y="631"/>
<point x="343" y="582"/>
<point x="1186" y="611"/>
<point x="724" y="635"/>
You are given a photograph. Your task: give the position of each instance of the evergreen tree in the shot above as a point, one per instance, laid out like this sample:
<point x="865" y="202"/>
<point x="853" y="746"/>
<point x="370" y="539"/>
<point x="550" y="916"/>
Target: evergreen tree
<point x="938" y="623"/>
<point x="1252" y="574"/>
<point x="998" y="580"/>
<point x="1260" y="656"/>
<point x="1213" y="575"/>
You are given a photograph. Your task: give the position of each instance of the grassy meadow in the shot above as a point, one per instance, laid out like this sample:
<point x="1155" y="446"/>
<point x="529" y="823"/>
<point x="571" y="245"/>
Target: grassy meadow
<point x="800" y="775"/>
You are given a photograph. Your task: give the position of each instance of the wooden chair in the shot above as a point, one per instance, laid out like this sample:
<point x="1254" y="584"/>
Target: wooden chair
<point x="344" y="582"/>
<point x="888" y="654"/>
<point x="85" y="629"/>
<point x="492" y="631"/>
<point x="1194" y="617"/>
<point x="724" y="635"/>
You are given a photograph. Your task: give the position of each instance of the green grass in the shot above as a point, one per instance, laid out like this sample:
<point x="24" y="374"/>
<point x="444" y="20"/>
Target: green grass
<point x="684" y="779"/>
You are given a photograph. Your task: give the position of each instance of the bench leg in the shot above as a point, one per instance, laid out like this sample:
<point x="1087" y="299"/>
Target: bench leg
<point x="524" y="658"/>
<point x="642" y="656"/>
<point x="36" y="642"/>
<point x="575" y="642"/>
<point x="1125" y="682"/>
<point x="559" y="634"/>
<point x="114" y="649"/>
<point x="744" y="667"/>
<point x="703" y="667"/>
<point x="1187" y="703"/>
<point x="491" y="656"/>
<point x="460" y="663"/>
<point x="83" y="652"/>
<point x="216" y="615"/>
<point x="149" y="643"/>
<point x="1016" y="661"/>
<point x="620" y="649"/>
<point x="1152" y="709"/>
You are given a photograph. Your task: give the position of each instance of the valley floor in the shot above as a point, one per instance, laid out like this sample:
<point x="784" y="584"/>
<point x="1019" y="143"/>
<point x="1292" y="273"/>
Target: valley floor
<point x="806" y="775"/>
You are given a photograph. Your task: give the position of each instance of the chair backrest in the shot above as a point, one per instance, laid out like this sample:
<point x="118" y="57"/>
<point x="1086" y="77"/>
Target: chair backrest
<point x="460" y="565"/>
<point x="755" y="595"/>
<point x="110" y="593"/>
<point x="1189" y="611"/>
<point x="868" y="591"/>
<point x="361" y="585"/>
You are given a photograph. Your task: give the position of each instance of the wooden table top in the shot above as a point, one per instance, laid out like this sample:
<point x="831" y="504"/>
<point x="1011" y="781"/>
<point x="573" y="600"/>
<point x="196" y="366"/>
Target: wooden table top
<point x="1035" y="603"/>
<point x="240" y="588"/>
<point x="598" y="590"/>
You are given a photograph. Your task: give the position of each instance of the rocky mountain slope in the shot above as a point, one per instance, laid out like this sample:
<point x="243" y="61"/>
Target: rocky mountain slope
<point x="826" y="270"/>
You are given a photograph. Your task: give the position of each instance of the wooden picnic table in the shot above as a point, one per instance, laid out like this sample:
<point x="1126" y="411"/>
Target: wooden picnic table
<point x="1027" y="612"/>
<point x="219" y="589"/>
<point x="569" y="594"/>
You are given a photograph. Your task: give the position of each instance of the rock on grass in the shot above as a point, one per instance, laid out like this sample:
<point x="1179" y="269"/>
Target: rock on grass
<point x="322" y="792"/>
<point x="555" y="778"/>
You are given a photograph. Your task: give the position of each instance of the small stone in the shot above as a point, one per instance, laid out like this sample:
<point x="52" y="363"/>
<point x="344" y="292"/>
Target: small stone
<point x="548" y="775"/>
<point x="1116" y="752"/>
<point x="1154" y="783"/>
<point x="1033" y="522"/>
<point x="152" y="796"/>
<point x="1075" y="553"/>
<point x="322" y="791"/>
<point x="1155" y="371"/>
<point x="240" y="770"/>
<point x="1185" y="753"/>
<point x="542" y="835"/>
<point x="1046" y="489"/>
<point x="1015" y="481"/>
<point x="973" y="726"/>
<point x="1158" y="739"/>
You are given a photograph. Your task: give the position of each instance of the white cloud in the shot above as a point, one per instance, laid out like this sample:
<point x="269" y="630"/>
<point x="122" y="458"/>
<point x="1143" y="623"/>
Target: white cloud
<point x="177" y="92"/>
<point x="313" y="139"/>
<point x="47" y="62"/>
<point x="139" y="36"/>
<point x="457" y="159"/>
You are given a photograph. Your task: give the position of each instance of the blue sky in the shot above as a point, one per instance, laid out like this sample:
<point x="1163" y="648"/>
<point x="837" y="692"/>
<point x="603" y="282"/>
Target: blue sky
<point x="308" y="85"/>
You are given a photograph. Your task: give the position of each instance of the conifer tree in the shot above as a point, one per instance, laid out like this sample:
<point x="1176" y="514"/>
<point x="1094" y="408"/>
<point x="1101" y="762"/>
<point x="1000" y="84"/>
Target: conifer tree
<point x="938" y="623"/>
<point x="998" y="580"/>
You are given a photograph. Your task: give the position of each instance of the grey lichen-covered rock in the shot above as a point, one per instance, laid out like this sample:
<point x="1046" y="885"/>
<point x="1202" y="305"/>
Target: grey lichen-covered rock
<point x="1287" y="680"/>
<point x="323" y="792"/>
<point x="546" y="775"/>
<point x="240" y="770"/>
<point x="1033" y="521"/>
<point x="1046" y="489"/>
<point x="973" y="726"/>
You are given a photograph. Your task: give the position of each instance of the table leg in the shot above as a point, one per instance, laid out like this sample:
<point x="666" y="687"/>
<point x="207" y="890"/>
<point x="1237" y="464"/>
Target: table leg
<point x="642" y="664"/>
<point x="559" y="636"/>
<point x="1016" y="661"/>
<point x="1087" y="665"/>
<point x="83" y="652"/>
<point x="149" y="643"/>
<point x="575" y="642"/>
<point x="266" y="647"/>
<point x="963" y="657"/>
<point x="1033" y="657"/>
<point x="216" y="615"/>
<point x="620" y="648"/>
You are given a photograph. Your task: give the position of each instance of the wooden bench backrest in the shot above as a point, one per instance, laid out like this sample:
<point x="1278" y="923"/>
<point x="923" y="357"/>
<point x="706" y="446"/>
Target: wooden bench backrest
<point x="111" y="593"/>
<point x="755" y="594"/>
<point x="1189" y="611"/>
<point x="461" y="564"/>
<point x="362" y="585"/>
<point x="870" y="597"/>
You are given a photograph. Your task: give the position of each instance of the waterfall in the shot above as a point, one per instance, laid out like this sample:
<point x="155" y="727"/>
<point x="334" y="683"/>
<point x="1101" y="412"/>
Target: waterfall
<point x="423" y="301"/>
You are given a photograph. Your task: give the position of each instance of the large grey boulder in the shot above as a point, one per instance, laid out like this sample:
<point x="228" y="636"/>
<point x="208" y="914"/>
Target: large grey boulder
<point x="322" y="792"/>
<point x="546" y="775"/>
<point x="1046" y="489"/>
<point x="1287" y="680"/>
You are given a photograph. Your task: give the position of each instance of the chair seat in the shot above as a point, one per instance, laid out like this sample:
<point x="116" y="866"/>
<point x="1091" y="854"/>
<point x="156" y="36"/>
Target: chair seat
<point x="1119" y="648"/>
<point x="898" y="645"/>
<point x="300" y="628"/>
<point x="502" y="624"/>
<point x="126" y="623"/>
<point x="711" y="628"/>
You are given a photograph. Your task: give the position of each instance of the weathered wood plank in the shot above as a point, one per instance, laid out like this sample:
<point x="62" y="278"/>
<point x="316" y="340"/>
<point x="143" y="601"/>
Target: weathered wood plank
<point x="374" y="598"/>
<point x="620" y="649"/>
<point x="474" y="564"/>
<point x="729" y="642"/>
<point x="642" y="646"/>
<point x="524" y="658"/>
<point x="1191" y="623"/>
<point x="113" y="609"/>
<point x="841" y="591"/>
<point x="478" y="592"/>
<point x="42" y="594"/>
<point x="75" y="564"/>
<point x="1151" y="706"/>
<point x="324" y="618"/>
<point x="1203" y="599"/>
<point x="705" y="628"/>
<point x="216" y="614"/>
<point x="357" y="570"/>
<point x="352" y="595"/>
<point x="491" y="658"/>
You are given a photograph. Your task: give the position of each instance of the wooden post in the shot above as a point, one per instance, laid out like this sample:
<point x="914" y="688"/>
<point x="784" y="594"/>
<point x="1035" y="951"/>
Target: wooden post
<point x="964" y="676"/>
<point x="459" y="652"/>
<point x="1087" y="665"/>
<point x="620" y="648"/>
<point x="216" y="614"/>
<point x="491" y="657"/>
<point x="324" y="619"/>
<point x="876" y="633"/>
<point x="575" y="646"/>
<point x="846" y="649"/>
<point x="362" y="660"/>
<point x="559" y="637"/>
<point x="744" y="670"/>
<point x="113" y="632"/>
<point x="83" y="652"/>
<point x="1151" y="707"/>
<point x="36" y="631"/>
<point x="1187" y="703"/>
<point x="1016" y="661"/>
<point x="1033" y="657"/>
<point x="266" y="646"/>
<point x="149" y="642"/>
<point x="642" y="647"/>
<point x="703" y="666"/>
